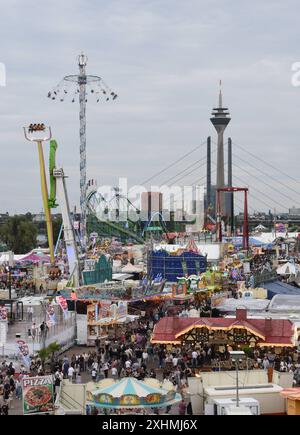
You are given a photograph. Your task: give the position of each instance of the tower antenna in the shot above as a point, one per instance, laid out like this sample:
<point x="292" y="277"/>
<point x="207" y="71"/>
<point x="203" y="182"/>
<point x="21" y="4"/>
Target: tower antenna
<point x="220" y="95"/>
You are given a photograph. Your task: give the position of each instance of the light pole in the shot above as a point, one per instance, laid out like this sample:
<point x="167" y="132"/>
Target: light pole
<point x="237" y="355"/>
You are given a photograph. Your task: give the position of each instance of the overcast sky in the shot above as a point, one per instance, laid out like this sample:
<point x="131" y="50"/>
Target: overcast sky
<point x="164" y="58"/>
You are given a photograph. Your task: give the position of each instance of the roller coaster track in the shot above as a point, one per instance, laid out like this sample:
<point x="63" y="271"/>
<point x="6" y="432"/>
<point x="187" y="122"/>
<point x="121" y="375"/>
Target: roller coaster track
<point x="107" y="228"/>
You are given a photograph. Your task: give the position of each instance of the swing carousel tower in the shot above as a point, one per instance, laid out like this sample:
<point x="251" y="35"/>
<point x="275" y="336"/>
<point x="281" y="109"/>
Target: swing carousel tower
<point x="81" y="87"/>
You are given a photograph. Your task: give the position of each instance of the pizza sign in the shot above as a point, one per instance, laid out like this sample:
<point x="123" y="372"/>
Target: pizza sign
<point x="38" y="395"/>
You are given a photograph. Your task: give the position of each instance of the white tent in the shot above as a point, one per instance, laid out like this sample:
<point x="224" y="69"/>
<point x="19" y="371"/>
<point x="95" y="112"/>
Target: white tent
<point x="130" y="268"/>
<point x="230" y="305"/>
<point x="4" y="257"/>
<point x="260" y="227"/>
<point x="288" y="269"/>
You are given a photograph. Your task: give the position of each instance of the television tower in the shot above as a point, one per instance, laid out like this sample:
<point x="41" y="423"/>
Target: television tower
<point x="220" y="119"/>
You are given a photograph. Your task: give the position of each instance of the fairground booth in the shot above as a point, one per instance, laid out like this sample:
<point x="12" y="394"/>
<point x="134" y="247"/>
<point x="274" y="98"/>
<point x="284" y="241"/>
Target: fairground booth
<point x="219" y="332"/>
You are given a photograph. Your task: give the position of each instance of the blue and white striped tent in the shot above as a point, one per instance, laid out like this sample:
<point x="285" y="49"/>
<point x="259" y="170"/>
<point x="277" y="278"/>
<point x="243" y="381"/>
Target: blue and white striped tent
<point x="131" y="393"/>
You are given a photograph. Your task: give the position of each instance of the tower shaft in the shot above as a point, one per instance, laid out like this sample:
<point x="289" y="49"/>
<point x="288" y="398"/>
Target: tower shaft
<point x="82" y="135"/>
<point x="220" y="159"/>
<point x="208" y="173"/>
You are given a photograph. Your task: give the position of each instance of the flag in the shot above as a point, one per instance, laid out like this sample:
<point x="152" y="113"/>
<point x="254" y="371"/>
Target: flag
<point x="24" y="352"/>
<point x="62" y="302"/>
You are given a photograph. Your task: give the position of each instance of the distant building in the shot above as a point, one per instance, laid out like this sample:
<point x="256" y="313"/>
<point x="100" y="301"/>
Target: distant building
<point x="37" y="218"/>
<point x="151" y="203"/>
<point x="294" y="211"/>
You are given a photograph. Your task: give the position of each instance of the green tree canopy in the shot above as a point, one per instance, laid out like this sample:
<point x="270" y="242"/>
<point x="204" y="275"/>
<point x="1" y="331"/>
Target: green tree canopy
<point x="19" y="234"/>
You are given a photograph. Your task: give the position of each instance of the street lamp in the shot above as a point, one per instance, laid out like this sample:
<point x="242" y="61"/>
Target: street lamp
<point x="237" y="355"/>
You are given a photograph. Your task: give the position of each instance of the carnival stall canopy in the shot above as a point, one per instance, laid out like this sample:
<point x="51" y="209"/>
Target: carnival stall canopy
<point x="131" y="393"/>
<point x="285" y="304"/>
<point x="288" y="269"/>
<point x="238" y="242"/>
<point x="34" y="258"/>
<point x="230" y="305"/>
<point x="278" y="287"/>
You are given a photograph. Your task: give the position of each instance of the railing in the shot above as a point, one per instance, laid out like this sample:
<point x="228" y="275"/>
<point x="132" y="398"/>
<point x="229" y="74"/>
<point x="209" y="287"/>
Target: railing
<point x="53" y="330"/>
<point x="65" y="400"/>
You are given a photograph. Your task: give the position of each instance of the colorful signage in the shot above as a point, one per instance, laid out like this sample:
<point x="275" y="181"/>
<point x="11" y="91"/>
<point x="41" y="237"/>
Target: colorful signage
<point x="105" y="311"/>
<point x="38" y="395"/>
<point x="24" y="352"/>
<point x="3" y="313"/>
<point x="3" y="332"/>
<point x="62" y="302"/>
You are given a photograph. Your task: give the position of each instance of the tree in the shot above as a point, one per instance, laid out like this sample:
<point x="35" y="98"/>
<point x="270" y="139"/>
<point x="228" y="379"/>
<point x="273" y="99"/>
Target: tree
<point x="48" y="352"/>
<point x="19" y="234"/>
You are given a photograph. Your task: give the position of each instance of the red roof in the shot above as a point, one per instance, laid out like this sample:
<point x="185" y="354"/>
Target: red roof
<point x="170" y="329"/>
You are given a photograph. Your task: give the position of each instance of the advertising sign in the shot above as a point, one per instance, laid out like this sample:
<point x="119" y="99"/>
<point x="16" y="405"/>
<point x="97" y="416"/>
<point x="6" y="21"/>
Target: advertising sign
<point x="38" y="395"/>
<point x="3" y="313"/>
<point x="106" y="312"/>
<point x="24" y="352"/>
<point x="3" y="332"/>
<point x="63" y="305"/>
<point x="246" y="267"/>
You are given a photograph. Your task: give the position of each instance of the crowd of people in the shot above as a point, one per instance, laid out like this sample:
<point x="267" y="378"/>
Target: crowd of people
<point x="129" y="353"/>
<point x="10" y="386"/>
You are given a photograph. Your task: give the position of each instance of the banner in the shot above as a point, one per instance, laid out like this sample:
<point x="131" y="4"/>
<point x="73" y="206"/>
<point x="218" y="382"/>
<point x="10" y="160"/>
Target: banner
<point x="24" y="352"/>
<point x="3" y="313"/>
<point x="62" y="302"/>
<point x="246" y="267"/>
<point x="106" y="312"/>
<point x="38" y="395"/>
<point x="51" y="316"/>
<point x="3" y="332"/>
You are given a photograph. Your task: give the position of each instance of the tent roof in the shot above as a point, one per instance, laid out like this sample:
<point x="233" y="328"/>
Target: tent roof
<point x="278" y="287"/>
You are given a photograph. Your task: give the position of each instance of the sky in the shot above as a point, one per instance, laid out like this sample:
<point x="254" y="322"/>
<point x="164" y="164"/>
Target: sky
<point x="164" y="58"/>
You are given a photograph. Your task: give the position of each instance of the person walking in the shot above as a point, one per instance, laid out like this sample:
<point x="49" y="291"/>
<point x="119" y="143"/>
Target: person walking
<point x="70" y="373"/>
<point x="182" y="407"/>
<point x="114" y="372"/>
<point x="94" y="374"/>
<point x="194" y="358"/>
<point x="265" y="363"/>
<point x="105" y="369"/>
<point x="145" y="357"/>
<point x="57" y="383"/>
<point x="18" y="390"/>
